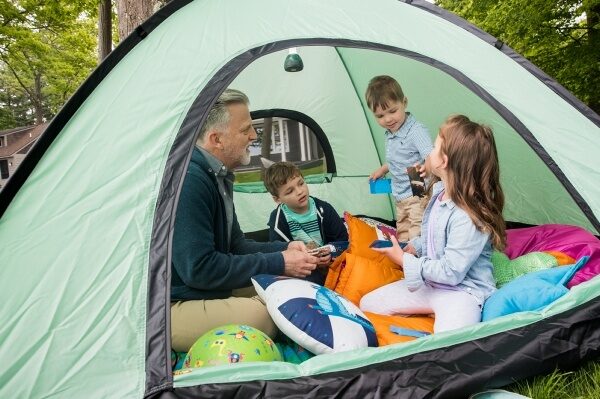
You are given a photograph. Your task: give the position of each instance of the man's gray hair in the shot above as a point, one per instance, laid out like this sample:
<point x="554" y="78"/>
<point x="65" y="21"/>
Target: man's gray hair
<point x="218" y="116"/>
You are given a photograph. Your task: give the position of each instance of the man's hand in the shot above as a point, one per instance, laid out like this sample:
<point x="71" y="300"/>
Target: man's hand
<point x="298" y="245"/>
<point x="298" y="263"/>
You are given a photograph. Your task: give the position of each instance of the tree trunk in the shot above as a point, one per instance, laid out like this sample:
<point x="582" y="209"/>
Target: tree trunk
<point x="265" y="148"/>
<point x="37" y="100"/>
<point x="104" y="29"/>
<point x="132" y="13"/>
<point x="593" y="21"/>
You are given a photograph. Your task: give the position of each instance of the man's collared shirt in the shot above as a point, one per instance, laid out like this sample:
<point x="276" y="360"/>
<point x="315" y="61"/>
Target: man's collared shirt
<point x="225" y="180"/>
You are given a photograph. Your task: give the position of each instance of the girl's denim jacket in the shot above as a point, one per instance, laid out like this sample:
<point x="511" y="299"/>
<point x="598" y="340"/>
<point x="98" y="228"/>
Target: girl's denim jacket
<point x="463" y="253"/>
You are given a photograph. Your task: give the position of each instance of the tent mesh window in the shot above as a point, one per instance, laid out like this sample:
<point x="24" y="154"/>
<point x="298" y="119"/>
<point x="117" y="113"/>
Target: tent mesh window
<point x="283" y="139"/>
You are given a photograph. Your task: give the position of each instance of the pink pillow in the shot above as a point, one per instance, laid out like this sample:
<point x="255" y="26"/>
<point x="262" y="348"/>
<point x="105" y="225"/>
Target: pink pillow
<point x="571" y="240"/>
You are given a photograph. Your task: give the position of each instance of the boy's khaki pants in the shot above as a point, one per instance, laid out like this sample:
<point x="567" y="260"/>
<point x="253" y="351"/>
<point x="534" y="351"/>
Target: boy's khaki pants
<point x="409" y="215"/>
<point x="191" y="319"/>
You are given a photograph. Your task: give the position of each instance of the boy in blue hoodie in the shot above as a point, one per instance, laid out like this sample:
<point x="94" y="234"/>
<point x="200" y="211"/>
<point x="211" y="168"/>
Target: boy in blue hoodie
<point x="300" y="217"/>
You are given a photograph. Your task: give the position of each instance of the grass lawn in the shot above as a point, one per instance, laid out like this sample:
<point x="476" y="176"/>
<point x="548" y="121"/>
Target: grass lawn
<point x="583" y="383"/>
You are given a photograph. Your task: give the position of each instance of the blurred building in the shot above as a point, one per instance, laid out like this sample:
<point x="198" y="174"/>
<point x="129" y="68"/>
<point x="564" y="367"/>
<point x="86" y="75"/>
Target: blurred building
<point x="290" y="141"/>
<point x="14" y="146"/>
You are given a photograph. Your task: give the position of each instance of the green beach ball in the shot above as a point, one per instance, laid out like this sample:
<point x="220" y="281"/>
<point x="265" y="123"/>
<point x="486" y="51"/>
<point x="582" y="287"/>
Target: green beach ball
<point x="230" y="344"/>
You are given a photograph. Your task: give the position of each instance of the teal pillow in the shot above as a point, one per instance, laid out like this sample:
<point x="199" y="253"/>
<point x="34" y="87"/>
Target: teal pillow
<point x="532" y="291"/>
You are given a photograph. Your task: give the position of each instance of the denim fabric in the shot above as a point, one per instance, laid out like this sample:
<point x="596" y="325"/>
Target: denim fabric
<point x="463" y="253"/>
<point x="409" y="145"/>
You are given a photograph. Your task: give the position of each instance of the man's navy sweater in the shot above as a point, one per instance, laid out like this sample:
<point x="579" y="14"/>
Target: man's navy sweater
<point x="205" y="263"/>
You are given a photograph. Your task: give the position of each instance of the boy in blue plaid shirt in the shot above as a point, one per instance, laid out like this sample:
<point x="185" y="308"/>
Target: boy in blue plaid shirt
<point x="407" y="142"/>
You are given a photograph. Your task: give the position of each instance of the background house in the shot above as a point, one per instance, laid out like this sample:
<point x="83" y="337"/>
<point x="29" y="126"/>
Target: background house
<point x="290" y="140"/>
<point x="14" y="145"/>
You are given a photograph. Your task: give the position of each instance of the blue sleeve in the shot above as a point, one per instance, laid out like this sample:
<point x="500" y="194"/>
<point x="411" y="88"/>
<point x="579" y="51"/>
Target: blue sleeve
<point x="417" y="242"/>
<point x="422" y="140"/>
<point x="464" y="245"/>
<point x="335" y="230"/>
<point x="195" y="255"/>
<point x="273" y="236"/>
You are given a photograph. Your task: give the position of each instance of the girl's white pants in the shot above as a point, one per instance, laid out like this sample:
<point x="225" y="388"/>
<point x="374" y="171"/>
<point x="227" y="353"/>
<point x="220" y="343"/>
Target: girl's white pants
<point x="452" y="308"/>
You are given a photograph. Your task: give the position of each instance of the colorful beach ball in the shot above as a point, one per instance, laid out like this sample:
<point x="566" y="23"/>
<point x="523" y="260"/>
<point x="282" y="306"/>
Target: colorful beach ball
<point x="230" y="344"/>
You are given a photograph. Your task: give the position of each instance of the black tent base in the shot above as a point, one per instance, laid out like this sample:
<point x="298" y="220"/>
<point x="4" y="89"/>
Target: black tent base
<point x="564" y="341"/>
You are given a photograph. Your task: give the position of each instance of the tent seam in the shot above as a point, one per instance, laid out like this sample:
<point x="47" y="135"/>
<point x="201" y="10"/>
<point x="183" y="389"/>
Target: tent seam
<point x="390" y="202"/>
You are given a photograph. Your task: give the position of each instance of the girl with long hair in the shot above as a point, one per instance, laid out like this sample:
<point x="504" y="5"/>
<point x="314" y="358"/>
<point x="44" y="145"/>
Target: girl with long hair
<point x="447" y="268"/>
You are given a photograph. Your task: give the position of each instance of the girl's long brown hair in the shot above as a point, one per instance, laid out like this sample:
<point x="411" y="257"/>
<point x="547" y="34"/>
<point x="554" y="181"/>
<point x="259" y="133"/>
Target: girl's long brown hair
<point x="473" y="180"/>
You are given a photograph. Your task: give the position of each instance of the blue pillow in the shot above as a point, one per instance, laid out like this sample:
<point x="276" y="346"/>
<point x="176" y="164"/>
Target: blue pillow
<point x="530" y="292"/>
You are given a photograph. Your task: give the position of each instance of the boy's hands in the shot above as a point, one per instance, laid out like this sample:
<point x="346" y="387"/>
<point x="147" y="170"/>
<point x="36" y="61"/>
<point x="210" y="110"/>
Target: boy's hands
<point x="395" y="253"/>
<point x="300" y="263"/>
<point x="379" y="172"/>
<point x="422" y="168"/>
<point x="324" y="260"/>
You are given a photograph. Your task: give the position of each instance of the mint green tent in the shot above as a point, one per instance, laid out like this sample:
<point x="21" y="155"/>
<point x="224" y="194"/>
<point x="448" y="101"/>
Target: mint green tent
<point x="86" y="221"/>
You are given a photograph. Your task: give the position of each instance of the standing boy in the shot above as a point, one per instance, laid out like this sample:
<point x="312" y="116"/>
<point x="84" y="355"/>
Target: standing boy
<point x="407" y="142"/>
<point x="300" y="217"/>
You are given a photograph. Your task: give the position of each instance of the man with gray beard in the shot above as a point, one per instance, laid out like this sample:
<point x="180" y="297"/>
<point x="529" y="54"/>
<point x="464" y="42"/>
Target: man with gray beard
<point x="212" y="261"/>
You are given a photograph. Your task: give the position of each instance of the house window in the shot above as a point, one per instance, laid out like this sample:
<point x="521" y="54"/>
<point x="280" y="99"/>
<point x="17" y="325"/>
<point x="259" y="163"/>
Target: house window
<point x="284" y="135"/>
<point x="3" y="169"/>
<point x="2" y="141"/>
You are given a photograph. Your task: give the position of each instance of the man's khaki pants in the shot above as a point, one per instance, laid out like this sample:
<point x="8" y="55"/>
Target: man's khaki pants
<point x="191" y="319"/>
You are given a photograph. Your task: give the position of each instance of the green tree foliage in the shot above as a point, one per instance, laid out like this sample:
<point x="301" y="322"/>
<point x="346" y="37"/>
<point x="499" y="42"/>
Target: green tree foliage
<point x="14" y="106"/>
<point x="561" y="37"/>
<point x="47" y="48"/>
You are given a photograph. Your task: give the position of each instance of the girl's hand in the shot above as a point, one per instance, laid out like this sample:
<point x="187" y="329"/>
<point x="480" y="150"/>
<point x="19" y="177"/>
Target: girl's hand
<point x="410" y="249"/>
<point x="395" y="253"/>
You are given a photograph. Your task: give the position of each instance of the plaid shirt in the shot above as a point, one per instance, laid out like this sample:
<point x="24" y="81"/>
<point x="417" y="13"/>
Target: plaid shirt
<point x="409" y="145"/>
